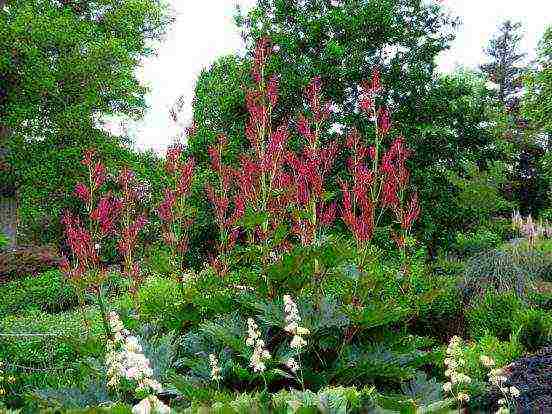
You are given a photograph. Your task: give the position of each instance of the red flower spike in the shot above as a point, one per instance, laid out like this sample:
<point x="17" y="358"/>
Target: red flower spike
<point x="107" y="213"/>
<point x="412" y="214"/>
<point x="384" y="121"/>
<point x="88" y="157"/>
<point x="272" y="90"/>
<point x="173" y="157"/>
<point x="366" y="104"/>
<point x="186" y="175"/>
<point x="82" y="192"/>
<point x="304" y="129"/>
<point x="327" y="215"/>
<point x="372" y="152"/>
<point x="98" y="175"/>
<point x="164" y="210"/>
<point x="262" y="52"/>
<point x="376" y="81"/>
<point x="126" y="177"/>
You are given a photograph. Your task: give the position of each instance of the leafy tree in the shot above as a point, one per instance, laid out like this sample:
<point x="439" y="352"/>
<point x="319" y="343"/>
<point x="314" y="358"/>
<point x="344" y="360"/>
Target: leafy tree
<point x="537" y="109"/>
<point x="65" y="66"/>
<point x="342" y="42"/>
<point x="506" y="69"/>
<point x="537" y="102"/>
<point x="506" y="62"/>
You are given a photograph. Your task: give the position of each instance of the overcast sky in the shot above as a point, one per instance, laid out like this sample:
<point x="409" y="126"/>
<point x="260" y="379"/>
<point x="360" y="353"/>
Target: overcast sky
<point x="204" y="30"/>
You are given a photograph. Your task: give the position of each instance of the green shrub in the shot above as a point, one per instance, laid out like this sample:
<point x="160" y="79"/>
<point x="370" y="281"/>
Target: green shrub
<point x="158" y="261"/>
<point x="43" y="341"/>
<point x="440" y="316"/>
<point x="49" y="292"/>
<point x="535" y="327"/>
<point x="541" y="300"/>
<point x="468" y="244"/>
<point x="493" y="314"/>
<point x="161" y="301"/>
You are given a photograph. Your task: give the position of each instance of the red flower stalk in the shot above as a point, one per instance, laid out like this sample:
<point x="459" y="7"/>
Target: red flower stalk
<point x="310" y="168"/>
<point x="173" y="210"/>
<point x="384" y="121"/>
<point x="272" y="90"/>
<point x="319" y="109"/>
<point x="98" y="175"/>
<point x="186" y="172"/>
<point x="81" y="245"/>
<point x="412" y="213"/>
<point x="375" y="85"/>
<point x="358" y="214"/>
<point x="82" y="192"/>
<point x="173" y="158"/>
<point x="129" y="235"/>
<point x="263" y="51"/>
<point x="107" y="213"/>
<point x="88" y="157"/>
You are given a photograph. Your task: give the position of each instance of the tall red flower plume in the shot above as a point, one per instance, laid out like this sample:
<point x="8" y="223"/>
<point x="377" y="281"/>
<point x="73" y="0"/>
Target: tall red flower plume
<point x="384" y="121"/>
<point x="165" y="209"/>
<point x="82" y="192"/>
<point x="185" y="177"/>
<point x="376" y="81"/>
<point x="107" y="213"/>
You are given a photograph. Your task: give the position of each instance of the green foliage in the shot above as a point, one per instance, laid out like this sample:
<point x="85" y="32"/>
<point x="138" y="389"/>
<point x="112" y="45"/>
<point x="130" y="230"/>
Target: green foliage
<point x="493" y="314"/>
<point x="441" y="317"/>
<point x="4" y="241"/>
<point x="161" y="302"/>
<point x="537" y="101"/>
<point x="67" y="68"/>
<point x="158" y="261"/>
<point x="69" y="399"/>
<point x="480" y="193"/>
<point x="513" y="269"/>
<point x="39" y="340"/>
<point x="468" y="244"/>
<point x="48" y="292"/>
<point x="357" y="320"/>
<point x="535" y="327"/>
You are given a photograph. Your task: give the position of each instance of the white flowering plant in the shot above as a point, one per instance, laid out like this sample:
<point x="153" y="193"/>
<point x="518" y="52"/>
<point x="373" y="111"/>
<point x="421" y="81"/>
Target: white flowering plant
<point x="129" y="371"/>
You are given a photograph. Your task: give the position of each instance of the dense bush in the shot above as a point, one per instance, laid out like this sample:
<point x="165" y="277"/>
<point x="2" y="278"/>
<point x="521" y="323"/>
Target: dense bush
<point x="26" y="261"/>
<point x="512" y="269"/>
<point x="443" y="316"/>
<point x="161" y="301"/>
<point x="494" y="314"/>
<point x="48" y="292"/>
<point x="468" y="244"/>
<point x="535" y="328"/>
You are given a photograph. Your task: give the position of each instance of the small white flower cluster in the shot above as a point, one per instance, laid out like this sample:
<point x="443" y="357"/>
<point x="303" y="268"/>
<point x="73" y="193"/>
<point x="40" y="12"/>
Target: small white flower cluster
<point x="498" y="379"/>
<point x="125" y="360"/>
<point x="293" y="320"/>
<point x="215" y="368"/>
<point x="454" y="363"/>
<point x="260" y="353"/>
<point x="150" y="405"/>
<point x="292" y="364"/>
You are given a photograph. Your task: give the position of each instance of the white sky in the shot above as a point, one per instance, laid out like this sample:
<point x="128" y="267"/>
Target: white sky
<point x="204" y="30"/>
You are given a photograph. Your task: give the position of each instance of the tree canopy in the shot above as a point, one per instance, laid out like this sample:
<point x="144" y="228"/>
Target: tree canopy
<point x="64" y="67"/>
